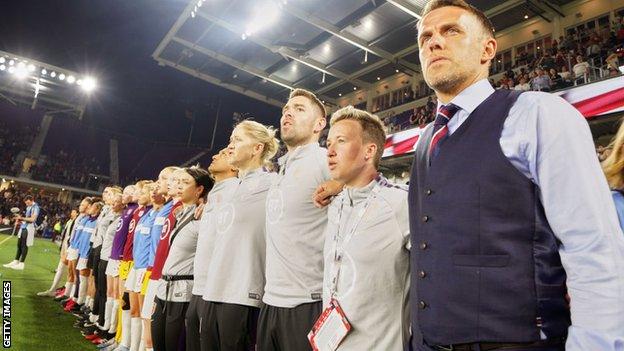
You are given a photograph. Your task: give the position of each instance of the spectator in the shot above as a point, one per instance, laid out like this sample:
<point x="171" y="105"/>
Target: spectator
<point x="523" y="85"/>
<point x="541" y="82"/>
<point x="581" y="70"/>
<point x="593" y="50"/>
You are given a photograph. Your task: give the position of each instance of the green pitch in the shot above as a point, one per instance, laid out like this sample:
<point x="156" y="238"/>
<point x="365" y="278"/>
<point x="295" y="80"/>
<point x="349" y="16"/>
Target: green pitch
<point x="37" y="323"/>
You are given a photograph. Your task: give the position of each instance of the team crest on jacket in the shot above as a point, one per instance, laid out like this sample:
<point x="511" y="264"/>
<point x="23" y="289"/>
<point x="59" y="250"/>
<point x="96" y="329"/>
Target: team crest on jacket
<point x="274" y="206"/>
<point x="131" y="226"/>
<point x="119" y="226"/>
<point x="164" y="233"/>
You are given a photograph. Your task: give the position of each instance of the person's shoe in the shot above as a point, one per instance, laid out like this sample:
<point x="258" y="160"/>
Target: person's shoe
<point x="19" y="266"/>
<point x="107" y="343"/>
<point x="60" y="297"/>
<point x="75" y="308"/>
<point x="10" y="264"/>
<point x="98" y="341"/>
<point x="111" y="347"/>
<point x="65" y="301"/>
<point x="69" y="305"/>
<point x="48" y="293"/>
<point x="91" y="336"/>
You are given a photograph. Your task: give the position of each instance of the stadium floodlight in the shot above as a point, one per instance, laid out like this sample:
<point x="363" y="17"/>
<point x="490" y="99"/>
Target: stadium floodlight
<point x="264" y="16"/>
<point x="53" y="74"/>
<point x="44" y="72"/>
<point x="88" y="84"/>
<point x="21" y="72"/>
<point x="62" y="76"/>
<point x="11" y="63"/>
<point x="31" y="68"/>
<point x="2" y="67"/>
<point x="11" y="69"/>
<point x="71" y="79"/>
<point x="2" y="59"/>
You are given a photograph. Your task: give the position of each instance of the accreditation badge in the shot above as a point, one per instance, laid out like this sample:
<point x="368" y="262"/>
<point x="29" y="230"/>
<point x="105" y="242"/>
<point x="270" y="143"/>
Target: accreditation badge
<point x="329" y="329"/>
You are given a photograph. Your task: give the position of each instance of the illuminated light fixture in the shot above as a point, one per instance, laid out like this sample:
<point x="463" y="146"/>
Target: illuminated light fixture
<point x="21" y="72"/>
<point x="79" y="82"/>
<point x="396" y="71"/>
<point x="264" y="16"/>
<point x="200" y="3"/>
<point x="63" y="189"/>
<point x="11" y="63"/>
<point x="326" y="48"/>
<point x="243" y="36"/>
<point x="88" y="84"/>
<point x="365" y="57"/>
<point x="31" y="68"/>
<point x="195" y="9"/>
<point x="53" y="74"/>
<point x="295" y="67"/>
<point x="71" y="79"/>
<point x="21" y="65"/>
<point x="378" y="78"/>
<point x="192" y="14"/>
<point x="368" y="23"/>
<point x="44" y="71"/>
<point x="62" y="76"/>
<point x="323" y="78"/>
<point x="339" y="94"/>
<point x="354" y="88"/>
<point x="2" y="67"/>
<point x="2" y="59"/>
<point x="526" y="16"/>
<point x="11" y="69"/>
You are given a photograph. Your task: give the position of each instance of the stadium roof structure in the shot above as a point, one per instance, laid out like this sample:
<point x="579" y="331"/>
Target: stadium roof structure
<point x="266" y="48"/>
<point x="31" y="83"/>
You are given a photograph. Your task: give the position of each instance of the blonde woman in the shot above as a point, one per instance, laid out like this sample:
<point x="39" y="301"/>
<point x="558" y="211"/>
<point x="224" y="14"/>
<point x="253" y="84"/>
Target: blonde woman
<point x="613" y="167"/>
<point x="230" y="317"/>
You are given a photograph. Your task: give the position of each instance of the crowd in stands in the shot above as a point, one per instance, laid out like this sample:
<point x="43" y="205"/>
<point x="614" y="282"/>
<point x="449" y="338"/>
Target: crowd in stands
<point x="577" y="58"/>
<point x="573" y="59"/>
<point x="13" y="140"/>
<point x="65" y="168"/>
<point x="53" y="209"/>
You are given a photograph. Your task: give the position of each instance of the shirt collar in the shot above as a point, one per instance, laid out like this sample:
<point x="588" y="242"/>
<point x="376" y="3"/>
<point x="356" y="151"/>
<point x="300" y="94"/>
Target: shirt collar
<point x="473" y="96"/>
<point x="297" y="152"/>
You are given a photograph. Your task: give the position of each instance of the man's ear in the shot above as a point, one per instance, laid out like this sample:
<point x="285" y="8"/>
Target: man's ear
<point x="371" y="151"/>
<point x="489" y="49"/>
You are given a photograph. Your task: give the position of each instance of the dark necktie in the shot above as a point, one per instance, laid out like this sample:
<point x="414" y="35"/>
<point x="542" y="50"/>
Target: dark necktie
<point x="440" y="128"/>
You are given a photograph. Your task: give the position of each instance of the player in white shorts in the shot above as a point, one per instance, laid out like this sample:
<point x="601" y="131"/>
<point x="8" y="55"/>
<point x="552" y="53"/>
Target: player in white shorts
<point x="71" y="291"/>
<point x="366" y="250"/>
<point x="61" y="268"/>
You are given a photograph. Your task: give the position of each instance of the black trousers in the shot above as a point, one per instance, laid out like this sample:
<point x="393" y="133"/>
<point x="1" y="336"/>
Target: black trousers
<point x="94" y="257"/>
<point x="228" y="327"/>
<point x="168" y="325"/>
<point x="100" y="291"/>
<point x="284" y="329"/>
<point x="22" y="249"/>
<point x="194" y="315"/>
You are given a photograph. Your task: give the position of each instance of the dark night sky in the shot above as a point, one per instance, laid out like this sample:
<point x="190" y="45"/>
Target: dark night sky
<point x="113" y="40"/>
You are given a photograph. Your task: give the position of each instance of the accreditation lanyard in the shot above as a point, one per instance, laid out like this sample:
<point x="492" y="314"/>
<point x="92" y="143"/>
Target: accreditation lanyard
<point x="338" y="248"/>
